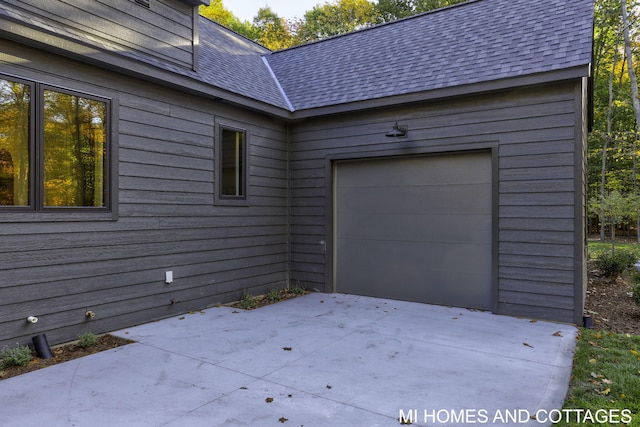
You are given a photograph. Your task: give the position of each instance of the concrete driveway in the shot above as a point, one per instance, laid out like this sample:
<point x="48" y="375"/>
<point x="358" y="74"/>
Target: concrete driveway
<point x="317" y="360"/>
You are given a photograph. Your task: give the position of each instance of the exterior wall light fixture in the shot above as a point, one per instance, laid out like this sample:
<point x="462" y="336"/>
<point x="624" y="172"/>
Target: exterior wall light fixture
<point x="398" y="131"/>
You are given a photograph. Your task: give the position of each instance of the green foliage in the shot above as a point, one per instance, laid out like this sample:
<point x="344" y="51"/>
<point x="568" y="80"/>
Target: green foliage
<point x="636" y="293"/>
<point x="605" y="374"/>
<point x="390" y="10"/>
<point x="274" y="295"/>
<point x="18" y="356"/>
<point x="612" y="264"/>
<point x="298" y="290"/>
<point x="271" y="31"/>
<point x="326" y="19"/>
<point x="338" y="17"/>
<point x="87" y="340"/>
<point x="248" y="302"/>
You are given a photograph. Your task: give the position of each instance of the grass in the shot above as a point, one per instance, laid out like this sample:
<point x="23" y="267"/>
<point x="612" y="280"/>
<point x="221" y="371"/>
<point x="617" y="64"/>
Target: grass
<point x="606" y="367"/>
<point x="596" y="248"/>
<point x="606" y="376"/>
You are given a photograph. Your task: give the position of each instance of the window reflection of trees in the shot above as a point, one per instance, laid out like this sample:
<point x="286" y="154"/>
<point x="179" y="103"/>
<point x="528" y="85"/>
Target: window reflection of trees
<point x="71" y="134"/>
<point x="74" y="150"/>
<point x="15" y="105"/>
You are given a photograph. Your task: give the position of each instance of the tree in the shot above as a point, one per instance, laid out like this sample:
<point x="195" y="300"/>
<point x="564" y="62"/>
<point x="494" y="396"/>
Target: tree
<point x="218" y="13"/>
<point x="271" y="31"/>
<point x="390" y="10"/>
<point x="614" y="208"/>
<point x="332" y="19"/>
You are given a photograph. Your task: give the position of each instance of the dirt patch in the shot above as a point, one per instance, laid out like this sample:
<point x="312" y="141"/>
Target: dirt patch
<point x="610" y="304"/>
<point x="65" y="353"/>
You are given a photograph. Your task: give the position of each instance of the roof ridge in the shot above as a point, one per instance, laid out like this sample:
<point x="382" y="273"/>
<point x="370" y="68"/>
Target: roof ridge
<point x="384" y="24"/>
<point x="237" y="33"/>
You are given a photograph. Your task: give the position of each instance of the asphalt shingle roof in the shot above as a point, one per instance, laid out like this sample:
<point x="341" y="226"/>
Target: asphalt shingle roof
<point x="472" y="42"/>
<point x="231" y="62"/>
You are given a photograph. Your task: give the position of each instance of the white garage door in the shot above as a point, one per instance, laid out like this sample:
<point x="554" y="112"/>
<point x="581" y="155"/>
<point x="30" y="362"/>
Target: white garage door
<point x="415" y="229"/>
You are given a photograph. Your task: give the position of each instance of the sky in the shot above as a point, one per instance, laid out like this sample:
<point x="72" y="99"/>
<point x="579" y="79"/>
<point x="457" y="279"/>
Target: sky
<point x="288" y="9"/>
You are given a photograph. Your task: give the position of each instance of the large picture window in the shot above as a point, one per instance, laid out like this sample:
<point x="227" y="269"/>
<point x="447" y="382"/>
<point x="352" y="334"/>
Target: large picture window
<point x="53" y="147"/>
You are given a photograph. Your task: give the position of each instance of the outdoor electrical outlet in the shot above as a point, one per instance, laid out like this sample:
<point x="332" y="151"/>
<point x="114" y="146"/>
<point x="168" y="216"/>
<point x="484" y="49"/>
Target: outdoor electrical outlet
<point x="168" y="277"/>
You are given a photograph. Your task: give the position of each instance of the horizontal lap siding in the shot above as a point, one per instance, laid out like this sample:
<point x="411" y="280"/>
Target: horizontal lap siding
<point x="534" y="131"/>
<point x="167" y="220"/>
<point x="163" y="31"/>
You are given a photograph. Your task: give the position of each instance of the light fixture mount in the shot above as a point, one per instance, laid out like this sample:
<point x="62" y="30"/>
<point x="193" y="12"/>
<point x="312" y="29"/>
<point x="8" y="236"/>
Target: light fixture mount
<point x="398" y="131"/>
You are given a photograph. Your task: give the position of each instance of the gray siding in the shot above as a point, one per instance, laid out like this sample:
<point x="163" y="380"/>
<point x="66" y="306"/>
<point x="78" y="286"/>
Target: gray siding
<point x="56" y="267"/>
<point x="535" y="133"/>
<point x="164" y="31"/>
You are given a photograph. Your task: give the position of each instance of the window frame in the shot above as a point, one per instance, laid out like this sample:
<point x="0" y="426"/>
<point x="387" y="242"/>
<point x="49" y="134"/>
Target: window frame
<point x="229" y="200"/>
<point x="36" y="210"/>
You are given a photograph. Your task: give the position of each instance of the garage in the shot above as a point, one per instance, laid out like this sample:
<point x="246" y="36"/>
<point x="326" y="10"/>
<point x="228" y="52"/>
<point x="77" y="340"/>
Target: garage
<point x="415" y="229"/>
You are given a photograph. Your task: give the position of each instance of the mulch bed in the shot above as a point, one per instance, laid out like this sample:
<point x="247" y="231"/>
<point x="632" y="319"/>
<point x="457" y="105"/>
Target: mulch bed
<point x="610" y="304"/>
<point x="64" y="353"/>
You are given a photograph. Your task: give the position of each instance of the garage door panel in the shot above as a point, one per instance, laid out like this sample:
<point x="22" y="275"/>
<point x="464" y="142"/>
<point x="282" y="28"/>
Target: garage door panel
<point x="469" y="198"/>
<point x="416" y="229"/>
<point x="377" y="173"/>
<point x="454" y="228"/>
<point x="449" y="276"/>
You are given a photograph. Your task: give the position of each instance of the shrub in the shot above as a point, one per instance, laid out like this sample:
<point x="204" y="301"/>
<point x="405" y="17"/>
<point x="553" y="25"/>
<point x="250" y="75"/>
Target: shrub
<point x="87" y="340"/>
<point x="247" y="302"/>
<point x="612" y="265"/>
<point x="636" y="293"/>
<point x="297" y="290"/>
<point x="274" y="295"/>
<point x="18" y="356"/>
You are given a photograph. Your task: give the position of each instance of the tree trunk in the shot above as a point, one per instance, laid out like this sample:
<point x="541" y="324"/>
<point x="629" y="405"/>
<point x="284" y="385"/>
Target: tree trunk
<point x="632" y="73"/>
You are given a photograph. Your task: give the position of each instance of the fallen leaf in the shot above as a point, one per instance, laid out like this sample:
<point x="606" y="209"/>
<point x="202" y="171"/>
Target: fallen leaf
<point x="592" y="361"/>
<point x="533" y="321"/>
<point x="605" y="392"/>
<point x="634" y="352"/>
<point x="594" y="344"/>
<point x="606" y="381"/>
<point x="181" y="318"/>
<point x="269" y="399"/>
<point x="328" y="386"/>
<point x="287" y="348"/>
<point x="594" y="375"/>
<point x="454" y="318"/>
<point x="527" y="344"/>
<point x="283" y="420"/>
<point x="235" y="312"/>
<point x="557" y="334"/>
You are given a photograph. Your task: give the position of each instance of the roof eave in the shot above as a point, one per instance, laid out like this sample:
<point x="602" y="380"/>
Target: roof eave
<point x="571" y="73"/>
<point x="78" y="50"/>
